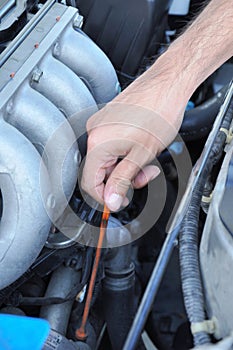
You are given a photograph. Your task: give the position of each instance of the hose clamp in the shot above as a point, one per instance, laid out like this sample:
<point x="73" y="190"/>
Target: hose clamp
<point x="228" y="133"/>
<point x="207" y="326"/>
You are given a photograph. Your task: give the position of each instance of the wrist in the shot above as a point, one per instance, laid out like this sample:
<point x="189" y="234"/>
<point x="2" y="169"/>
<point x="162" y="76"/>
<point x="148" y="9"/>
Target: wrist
<point x="162" y="89"/>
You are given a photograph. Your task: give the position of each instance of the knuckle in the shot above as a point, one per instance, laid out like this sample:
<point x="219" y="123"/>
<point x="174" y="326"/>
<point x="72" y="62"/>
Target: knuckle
<point x="93" y="140"/>
<point x="89" y="124"/>
<point x="121" y="182"/>
<point x="84" y="184"/>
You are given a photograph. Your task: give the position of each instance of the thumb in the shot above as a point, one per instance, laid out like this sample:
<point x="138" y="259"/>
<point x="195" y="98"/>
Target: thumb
<point x="121" y="179"/>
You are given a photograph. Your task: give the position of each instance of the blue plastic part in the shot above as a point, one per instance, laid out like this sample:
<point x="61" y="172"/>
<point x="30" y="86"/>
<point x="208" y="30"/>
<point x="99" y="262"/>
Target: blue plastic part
<point x="190" y="105"/>
<point x="22" y="333"/>
<point x="176" y="147"/>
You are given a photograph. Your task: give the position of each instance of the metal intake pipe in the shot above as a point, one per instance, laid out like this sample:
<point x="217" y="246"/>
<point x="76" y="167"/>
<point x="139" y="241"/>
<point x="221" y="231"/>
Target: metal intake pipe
<point x="63" y="281"/>
<point x="66" y="90"/>
<point x="62" y="86"/>
<point x="88" y="61"/>
<point x="24" y="224"/>
<point x="53" y="137"/>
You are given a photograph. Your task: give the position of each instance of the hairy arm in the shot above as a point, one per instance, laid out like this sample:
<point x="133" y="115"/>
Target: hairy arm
<point x="194" y="56"/>
<point x="145" y="117"/>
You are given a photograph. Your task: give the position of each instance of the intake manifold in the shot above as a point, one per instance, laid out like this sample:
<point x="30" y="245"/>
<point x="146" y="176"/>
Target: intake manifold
<point x="42" y="89"/>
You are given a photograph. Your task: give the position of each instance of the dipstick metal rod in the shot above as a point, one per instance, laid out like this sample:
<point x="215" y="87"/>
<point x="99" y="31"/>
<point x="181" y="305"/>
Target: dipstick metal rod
<point x="81" y="331"/>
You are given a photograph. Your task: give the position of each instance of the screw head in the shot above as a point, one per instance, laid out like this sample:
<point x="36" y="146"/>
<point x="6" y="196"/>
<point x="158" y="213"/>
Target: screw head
<point x="36" y="75"/>
<point x="78" y="21"/>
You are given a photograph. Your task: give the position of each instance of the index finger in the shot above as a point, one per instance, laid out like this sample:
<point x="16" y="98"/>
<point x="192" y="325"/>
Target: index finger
<point x="98" y="161"/>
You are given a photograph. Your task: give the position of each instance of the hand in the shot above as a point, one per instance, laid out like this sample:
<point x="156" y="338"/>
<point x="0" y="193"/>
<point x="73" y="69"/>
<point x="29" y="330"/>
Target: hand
<point x="123" y="139"/>
<point x="129" y="132"/>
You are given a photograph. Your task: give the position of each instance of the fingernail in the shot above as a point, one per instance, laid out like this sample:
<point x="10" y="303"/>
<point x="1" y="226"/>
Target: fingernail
<point x="114" y="202"/>
<point x="156" y="173"/>
<point x="125" y="202"/>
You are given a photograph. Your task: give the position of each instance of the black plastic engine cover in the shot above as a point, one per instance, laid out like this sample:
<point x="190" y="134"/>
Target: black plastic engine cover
<point x="13" y="17"/>
<point x="125" y="28"/>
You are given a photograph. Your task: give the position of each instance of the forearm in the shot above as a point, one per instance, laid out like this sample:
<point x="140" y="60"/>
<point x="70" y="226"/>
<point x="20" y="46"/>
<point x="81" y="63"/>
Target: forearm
<point x="207" y="43"/>
<point x="197" y="53"/>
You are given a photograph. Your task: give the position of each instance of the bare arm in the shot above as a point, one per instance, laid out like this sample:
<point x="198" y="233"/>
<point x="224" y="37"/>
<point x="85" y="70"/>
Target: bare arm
<point x="144" y="118"/>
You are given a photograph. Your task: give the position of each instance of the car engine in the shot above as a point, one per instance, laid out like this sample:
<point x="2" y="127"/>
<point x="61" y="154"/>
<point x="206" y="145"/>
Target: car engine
<point x="170" y="250"/>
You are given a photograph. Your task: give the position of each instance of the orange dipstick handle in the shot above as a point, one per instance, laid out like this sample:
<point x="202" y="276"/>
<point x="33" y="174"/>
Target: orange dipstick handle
<point x="81" y="331"/>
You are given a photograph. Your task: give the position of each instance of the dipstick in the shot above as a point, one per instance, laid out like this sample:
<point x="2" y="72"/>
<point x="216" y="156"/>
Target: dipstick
<point x="81" y="331"/>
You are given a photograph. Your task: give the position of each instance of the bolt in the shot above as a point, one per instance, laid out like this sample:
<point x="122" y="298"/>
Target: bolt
<point x="73" y="262"/>
<point x="12" y="74"/>
<point x="36" y="45"/>
<point x="9" y="107"/>
<point x="78" y="21"/>
<point x="56" y="49"/>
<point x="50" y="201"/>
<point x="36" y="75"/>
<point x="58" y="18"/>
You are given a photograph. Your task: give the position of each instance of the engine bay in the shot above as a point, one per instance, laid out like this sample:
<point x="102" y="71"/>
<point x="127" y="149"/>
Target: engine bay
<point x="170" y="249"/>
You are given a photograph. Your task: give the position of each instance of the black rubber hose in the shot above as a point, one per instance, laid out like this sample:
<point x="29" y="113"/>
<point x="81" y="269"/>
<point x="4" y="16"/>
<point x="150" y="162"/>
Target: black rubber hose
<point x="189" y="262"/>
<point x="189" y="257"/>
<point x="228" y="117"/>
<point x="198" y="121"/>
<point x="119" y="296"/>
<point x="118" y="299"/>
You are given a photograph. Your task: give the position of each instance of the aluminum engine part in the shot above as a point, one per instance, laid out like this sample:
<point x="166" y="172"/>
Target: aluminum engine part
<point x="28" y="109"/>
<point x="24" y="224"/>
<point x="63" y="281"/>
<point x="50" y="72"/>
<point x="59" y="342"/>
<point x="216" y="252"/>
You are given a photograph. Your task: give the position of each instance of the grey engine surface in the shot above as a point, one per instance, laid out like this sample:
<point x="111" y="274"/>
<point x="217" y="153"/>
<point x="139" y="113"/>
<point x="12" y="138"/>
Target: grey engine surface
<point x="216" y="250"/>
<point x="57" y="71"/>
